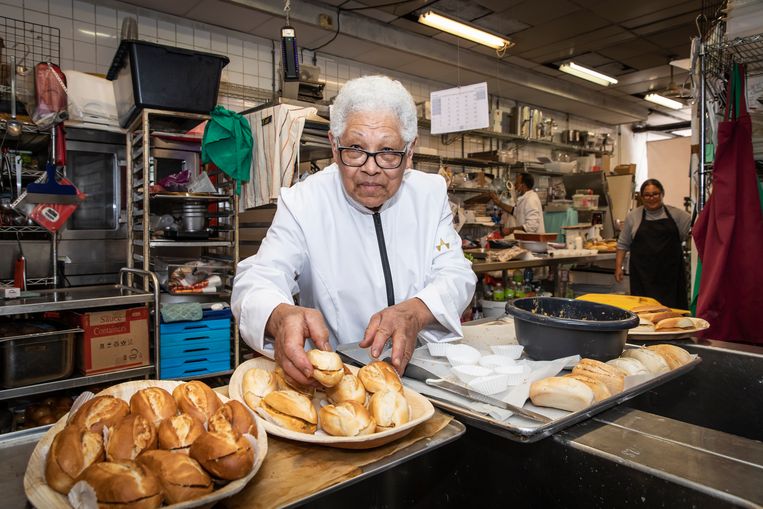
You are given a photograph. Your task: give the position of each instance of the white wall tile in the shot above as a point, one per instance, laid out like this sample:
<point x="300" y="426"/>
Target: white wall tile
<point x="84" y="67"/>
<point x="264" y="53"/>
<point x="236" y="78"/>
<point x="106" y="37"/>
<point x="236" y="63"/>
<point x="201" y="38"/>
<point x="84" y="52"/>
<point x="265" y="84"/>
<point x="105" y="16"/>
<point x="266" y="70"/>
<point x="235" y="46"/>
<point x="146" y="25"/>
<point x="184" y="35"/>
<point x="13" y="12"/>
<point x="251" y="49"/>
<point x="166" y="30"/>
<point x="12" y="3"/>
<point x="251" y="80"/>
<point x="219" y="42"/>
<point x="83" y="11"/>
<point x="84" y="32"/>
<point x="36" y="5"/>
<point x="66" y="64"/>
<point x="250" y="66"/>
<point x="64" y="25"/>
<point x="67" y="49"/>
<point x="41" y="18"/>
<point x="61" y="8"/>
<point x="103" y="58"/>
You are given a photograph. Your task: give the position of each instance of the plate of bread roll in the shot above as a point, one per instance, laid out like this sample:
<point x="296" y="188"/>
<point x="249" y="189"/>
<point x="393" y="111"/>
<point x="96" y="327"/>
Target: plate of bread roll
<point x="147" y="444"/>
<point x="355" y="408"/>
<point x="657" y="322"/>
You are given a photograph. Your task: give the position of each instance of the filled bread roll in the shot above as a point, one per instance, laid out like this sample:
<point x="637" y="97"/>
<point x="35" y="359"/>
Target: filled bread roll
<point x="380" y="376"/>
<point x="178" y="432"/>
<point x="233" y="416"/>
<point x="675" y="356"/>
<point x="181" y="476"/>
<point x="650" y="308"/>
<point x="629" y="366"/>
<point x="286" y="383"/>
<point x="130" y="437"/>
<point x="674" y="324"/>
<point x="651" y="360"/>
<point x="124" y="485"/>
<point x="389" y="409"/>
<point x="99" y="412"/>
<point x="599" y="388"/>
<point x="346" y="419"/>
<point x="611" y="376"/>
<point x="227" y="456"/>
<point x="196" y="399"/>
<point x="560" y="392"/>
<point x="659" y="316"/>
<point x="289" y="409"/>
<point x="256" y="384"/>
<point x="349" y="388"/>
<point x="328" y="368"/>
<point x="153" y="403"/>
<point x="73" y="449"/>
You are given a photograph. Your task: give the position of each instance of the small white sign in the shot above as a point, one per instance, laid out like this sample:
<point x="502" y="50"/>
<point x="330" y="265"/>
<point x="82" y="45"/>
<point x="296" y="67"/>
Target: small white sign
<point x="460" y="109"/>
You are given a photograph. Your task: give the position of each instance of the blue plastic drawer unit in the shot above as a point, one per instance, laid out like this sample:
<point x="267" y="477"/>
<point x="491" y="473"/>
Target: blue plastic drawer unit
<point x="190" y="349"/>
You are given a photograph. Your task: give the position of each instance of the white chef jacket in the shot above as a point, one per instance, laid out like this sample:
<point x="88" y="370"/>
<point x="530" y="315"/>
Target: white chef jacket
<point x="529" y="212"/>
<point x="323" y="245"/>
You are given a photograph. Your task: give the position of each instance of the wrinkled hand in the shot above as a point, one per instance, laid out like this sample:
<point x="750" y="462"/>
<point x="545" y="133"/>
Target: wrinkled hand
<point x="291" y="326"/>
<point x="619" y="274"/>
<point x="401" y="322"/>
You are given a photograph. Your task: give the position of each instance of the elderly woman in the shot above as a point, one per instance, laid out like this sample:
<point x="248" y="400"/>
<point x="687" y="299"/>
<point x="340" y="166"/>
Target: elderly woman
<point x="367" y="243"/>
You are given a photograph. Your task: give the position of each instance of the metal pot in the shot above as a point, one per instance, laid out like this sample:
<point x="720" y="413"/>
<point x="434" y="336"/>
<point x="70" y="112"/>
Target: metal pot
<point x="194" y="216"/>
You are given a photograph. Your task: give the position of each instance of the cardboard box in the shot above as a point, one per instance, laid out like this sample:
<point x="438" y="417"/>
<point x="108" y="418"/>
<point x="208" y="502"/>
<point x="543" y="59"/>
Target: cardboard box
<point x="112" y="339"/>
<point x="625" y="169"/>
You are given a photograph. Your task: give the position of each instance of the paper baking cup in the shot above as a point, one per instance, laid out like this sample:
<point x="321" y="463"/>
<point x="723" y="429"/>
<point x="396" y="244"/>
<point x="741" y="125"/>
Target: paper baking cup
<point x="461" y="355"/>
<point x="468" y="373"/>
<point x="438" y="349"/>
<point x="513" y="351"/>
<point x="491" y="384"/>
<point x="494" y="361"/>
<point x="516" y="374"/>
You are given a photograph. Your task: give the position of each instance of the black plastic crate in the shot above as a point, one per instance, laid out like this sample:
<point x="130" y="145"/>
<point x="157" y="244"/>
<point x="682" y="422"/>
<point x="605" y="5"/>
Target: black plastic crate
<point x="149" y="75"/>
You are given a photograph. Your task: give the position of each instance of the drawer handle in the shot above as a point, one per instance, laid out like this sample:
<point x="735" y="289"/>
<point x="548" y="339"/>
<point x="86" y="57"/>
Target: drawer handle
<point x="192" y="350"/>
<point x="192" y="361"/>
<point x="189" y="327"/>
<point x="196" y="338"/>
<point x="187" y="371"/>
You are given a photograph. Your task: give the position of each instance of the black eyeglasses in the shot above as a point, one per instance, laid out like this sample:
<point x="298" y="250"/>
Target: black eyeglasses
<point x="385" y="159"/>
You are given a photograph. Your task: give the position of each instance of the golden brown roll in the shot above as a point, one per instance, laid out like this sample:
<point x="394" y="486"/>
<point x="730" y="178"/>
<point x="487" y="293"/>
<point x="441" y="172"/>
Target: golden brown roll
<point x="561" y="392"/>
<point x="675" y="356"/>
<point x="233" y="416"/>
<point x="629" y="366"/>
<point x="130" y="437"/>
<point x="328" y="368"/>
<point x="153" y="403"/>
<point x="286" y="383"/>
<point x="124" y="485"/>
<point x="256" y="384"/>
<point x="73" y="449"/>
<point x="675" y="323"/>
<point x="659" y="316"/>
<point x="389" y="409"/>
<point x="613" y="377"/>
<point x="181" y="476"/>
<point x="346" y="419"/>
<point x="600" y="390"/>
<point x="226" y="456"/>
<point x="178" y="432"/>
<point x="349" y="388"/>
<point x="380" y="376"/>
<point x="99" y="412"/>
<point x="289" y="409"/>
<point x="196" y="399"/>
<point x="650" y="308"/>
<point x="654" y="362"/>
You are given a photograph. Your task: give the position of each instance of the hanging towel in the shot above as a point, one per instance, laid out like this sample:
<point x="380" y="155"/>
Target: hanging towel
<point x="729" y="231"/>
<point x="227" y="143"/>
<point x="276" y="131"/>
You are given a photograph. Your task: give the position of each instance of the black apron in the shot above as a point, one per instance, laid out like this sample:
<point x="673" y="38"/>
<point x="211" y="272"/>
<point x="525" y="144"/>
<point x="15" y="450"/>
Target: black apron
<point x="656" y="263"/>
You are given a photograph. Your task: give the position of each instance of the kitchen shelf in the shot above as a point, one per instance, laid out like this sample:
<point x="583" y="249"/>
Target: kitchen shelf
<point x="530" y="167"/>
<point x="22" y="229"/>
<point x="30" y="281"/>
<point x="185" y="243"/>
<point x="83" y="297"/>
<point x="191" y="197"/>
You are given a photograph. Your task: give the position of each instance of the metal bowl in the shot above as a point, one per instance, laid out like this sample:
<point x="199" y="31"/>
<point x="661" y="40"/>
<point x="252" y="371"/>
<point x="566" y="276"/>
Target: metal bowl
<point x="551" y="327"/>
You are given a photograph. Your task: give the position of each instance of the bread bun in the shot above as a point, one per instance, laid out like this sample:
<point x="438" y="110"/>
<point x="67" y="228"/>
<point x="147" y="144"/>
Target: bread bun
<point x="599" y="388"/>
<point x="73" y="449"/>
<point x="389" y="409"/>
<point x="611" y="376"/>
<point x="674" y="323"/>
<point x="196" y="399"/>
<point x="675" y="356"/>
<point x="181" y="476"/>
<point x="380" y="376"/>
<point x="629" y="366"/>
<point x="651" y="360"/>
<point x="649" y="308"/>
<point x="178" y="432"/>
<point x="286" y="383"/>
<point x="560" y="392"/>
<point x="328" y="368"/>
<point x="256" y="384"/>
<point x="124" y="485"/>
<point x="130" y="437"/>
<point x="349" y="388"/>
<point x="153" y="403"/>
<point x="659" y="316"/>
<point x="289" y="409"/>
<point x="226" y="456"/>
<point x="99" y="412"/>
<point x="346" y="419"/>
<point x="233" y="416"/>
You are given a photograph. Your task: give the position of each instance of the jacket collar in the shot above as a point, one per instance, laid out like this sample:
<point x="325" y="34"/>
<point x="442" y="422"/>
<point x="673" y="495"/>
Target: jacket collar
<point x="333" y="167"/>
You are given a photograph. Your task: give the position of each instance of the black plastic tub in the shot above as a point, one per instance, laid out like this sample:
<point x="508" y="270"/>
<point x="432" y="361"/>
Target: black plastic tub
<point x="149" y="75"/>
<point x="551" y="327"/>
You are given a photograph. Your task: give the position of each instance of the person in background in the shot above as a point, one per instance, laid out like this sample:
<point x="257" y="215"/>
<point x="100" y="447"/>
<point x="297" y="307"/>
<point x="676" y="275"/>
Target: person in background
<point x="528" y="210"/>
<point x="653" y="233"/>
<point x="367" y="243"/>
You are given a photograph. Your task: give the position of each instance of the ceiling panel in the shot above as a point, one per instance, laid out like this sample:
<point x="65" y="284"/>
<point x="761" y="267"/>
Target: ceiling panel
<point x="575" y="24"/>
<point x="413" y="26"/>
<point x="535" y="12"/>
<point x="501" y="24"/>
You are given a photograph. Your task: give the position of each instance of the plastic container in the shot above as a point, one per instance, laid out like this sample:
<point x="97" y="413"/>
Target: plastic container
<point x="38" y="357"/>
<point x="149" y="75"/>
<point x="493" y="309"/>
<point x="585" y="201"/>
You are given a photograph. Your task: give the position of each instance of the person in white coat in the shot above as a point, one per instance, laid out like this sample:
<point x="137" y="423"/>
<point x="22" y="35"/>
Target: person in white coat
<point x="367" y="243"/>
<point x="528" y="210"/>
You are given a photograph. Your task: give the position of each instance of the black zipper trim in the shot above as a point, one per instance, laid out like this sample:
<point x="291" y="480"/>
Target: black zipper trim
<point x="384" y="259"/>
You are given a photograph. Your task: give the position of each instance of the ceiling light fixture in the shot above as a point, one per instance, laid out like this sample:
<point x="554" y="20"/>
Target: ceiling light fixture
<point x="664" y="101"/>
<point x="464" y="30"/>
<point x="587" y="74"/>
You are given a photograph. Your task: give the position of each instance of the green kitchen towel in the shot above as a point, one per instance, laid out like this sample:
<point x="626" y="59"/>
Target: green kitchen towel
<point x="182" y="312"/>
<point x="228" y="144"/>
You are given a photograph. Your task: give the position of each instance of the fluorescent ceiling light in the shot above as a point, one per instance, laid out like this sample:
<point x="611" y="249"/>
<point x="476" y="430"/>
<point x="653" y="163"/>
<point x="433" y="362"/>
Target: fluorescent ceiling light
<point x="664" y="101"/>
<point x="682" y="132"/>
<point x="464" y="30"/>
<point x="587" y="74"/>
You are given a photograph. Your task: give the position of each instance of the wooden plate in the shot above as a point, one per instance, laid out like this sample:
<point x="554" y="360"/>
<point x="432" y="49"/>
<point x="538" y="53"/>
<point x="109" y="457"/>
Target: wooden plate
<point x="663" y="335"/>
<point x="421" y="410"/>
<point x="41" y="495"/>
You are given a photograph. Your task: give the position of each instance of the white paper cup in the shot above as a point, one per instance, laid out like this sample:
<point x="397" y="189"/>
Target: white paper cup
<point x="461" y="355"/>
<point x="516" y="374"/>
<point x="488" y="385"/>
<point x="513" y="351"/>
<point x="438" y="349"/>
<point x="467" y="373"/>
<point x="494" y="361"/>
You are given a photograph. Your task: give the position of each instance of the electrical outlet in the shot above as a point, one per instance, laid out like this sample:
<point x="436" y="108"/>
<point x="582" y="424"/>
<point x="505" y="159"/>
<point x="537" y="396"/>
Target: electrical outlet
<point x="326" y="22"/>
